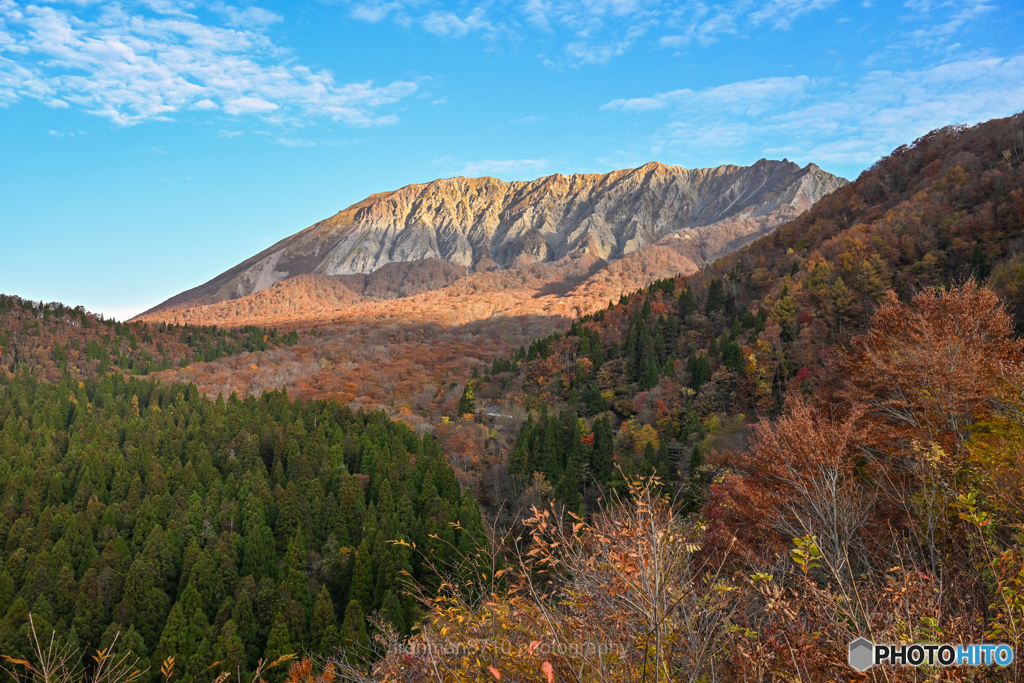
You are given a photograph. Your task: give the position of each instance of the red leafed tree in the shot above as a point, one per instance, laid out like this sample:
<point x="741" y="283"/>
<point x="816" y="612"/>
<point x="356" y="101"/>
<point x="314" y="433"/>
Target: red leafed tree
<point x="927" y="368"/>
<point x="796" y="479"/>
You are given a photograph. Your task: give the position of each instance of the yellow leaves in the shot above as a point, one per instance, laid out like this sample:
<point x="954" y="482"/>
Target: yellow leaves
<point x="12" y="660"/>
<point x="167" y="668"/>
<point x="281" y="660"/>
<point x="806" y="553"/>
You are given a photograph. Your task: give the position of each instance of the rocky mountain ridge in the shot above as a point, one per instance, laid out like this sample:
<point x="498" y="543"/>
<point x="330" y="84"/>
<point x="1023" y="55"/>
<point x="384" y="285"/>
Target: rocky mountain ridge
<point x="482" y="224"/>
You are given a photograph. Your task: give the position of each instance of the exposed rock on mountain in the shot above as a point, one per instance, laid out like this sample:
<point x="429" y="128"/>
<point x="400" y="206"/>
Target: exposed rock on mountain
<point x="479" y="224"/>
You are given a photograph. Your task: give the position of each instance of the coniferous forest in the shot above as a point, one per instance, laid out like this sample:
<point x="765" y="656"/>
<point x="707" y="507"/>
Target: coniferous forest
<point x="210" y="530"/>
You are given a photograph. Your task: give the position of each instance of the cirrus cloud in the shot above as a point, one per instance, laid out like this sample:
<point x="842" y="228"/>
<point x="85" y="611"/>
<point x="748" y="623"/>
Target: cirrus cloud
<point x="851" y="123"/>
<point x="128" y="65"/>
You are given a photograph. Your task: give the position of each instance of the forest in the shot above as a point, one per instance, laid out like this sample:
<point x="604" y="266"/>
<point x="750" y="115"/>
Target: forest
<point x="842" y="407"/>
<point x="727" y="476"/>
<point x="681" y="367"/>
<point x="53" y="338"/>
<point x="213" y="531"/>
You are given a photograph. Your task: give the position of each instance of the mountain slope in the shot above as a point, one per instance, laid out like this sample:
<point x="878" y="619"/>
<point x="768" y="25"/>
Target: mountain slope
<point x="683" y="362"/>
<point x="481" y="223"/>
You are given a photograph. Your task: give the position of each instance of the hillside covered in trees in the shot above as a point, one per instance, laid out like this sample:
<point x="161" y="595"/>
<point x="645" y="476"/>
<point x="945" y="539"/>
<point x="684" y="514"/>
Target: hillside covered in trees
<point x="54" y="338"/>
<point x="835" y="415"/>
<point x="678" y="369"/>
<point x="228" y="530"/>
<point x="832" y="417"/>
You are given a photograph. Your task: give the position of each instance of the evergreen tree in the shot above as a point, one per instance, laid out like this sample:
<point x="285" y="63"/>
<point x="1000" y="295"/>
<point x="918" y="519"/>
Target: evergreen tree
<point x="294" y="580"/>
<point x="649" y="461"/>
<point x="700" y="371"/>
<point x="686" y="304"/>
<point x="363" y="578"/>
<point x="230" y="649"/>
<point x="353" y="637"/>
<point x="601" y="455"/>
<point x="201" y="638"/>
<point x="467" y="404"/>
<point x="546" y="459"/>
<point x="651" y="375"/>
<point x="324" y="627"/>
<point x="145" y="605"/>
<point x="392" y="610"/>
<point x="175" y="639"/>
<point x="663" y="463"/>
<point x="691" y="498"/>
<point x="131" y="641"/>
<point x="279" y="642"/>
<point x="246" y="628"/>
<point x="568" y="487"/>
<point x="979" y="267"/>
<point x="473" y="535"/>
<point x="716" y="297"/>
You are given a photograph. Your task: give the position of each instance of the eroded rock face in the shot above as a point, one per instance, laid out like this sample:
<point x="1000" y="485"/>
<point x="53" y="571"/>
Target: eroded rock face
<point x="482" y="223"/>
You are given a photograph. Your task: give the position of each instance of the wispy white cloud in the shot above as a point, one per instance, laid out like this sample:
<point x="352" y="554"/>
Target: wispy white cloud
<point x="746" y="98"/>
<point x="437" y="20"/>
<point x="704" y="26"/>
<point x="249" y="17"/>
<point x="129" y="66"/>
<point x="781" y="13"/>
<point x="450" y="24"/>
<point x="937" y="35"/>
<point x="831" y="122"/>
<point x="174" y="7"/>
<point x="595" y="31"/>
<point x="507" y="169"/>
<point x="372" y="12"/>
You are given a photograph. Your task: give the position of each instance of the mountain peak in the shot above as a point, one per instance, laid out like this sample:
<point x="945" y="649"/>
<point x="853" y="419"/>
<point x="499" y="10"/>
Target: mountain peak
<point x="465" y="221"/>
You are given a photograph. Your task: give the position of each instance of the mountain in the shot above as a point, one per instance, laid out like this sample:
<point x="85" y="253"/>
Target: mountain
<point x="685" y="360"/>
<point x="481" y="224"/>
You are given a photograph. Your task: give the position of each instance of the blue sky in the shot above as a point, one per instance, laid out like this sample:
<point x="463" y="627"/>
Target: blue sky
<point x="148" y="146"/>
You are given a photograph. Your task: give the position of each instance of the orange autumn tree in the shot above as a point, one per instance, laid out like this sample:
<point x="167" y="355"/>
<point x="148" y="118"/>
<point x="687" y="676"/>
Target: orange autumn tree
<point x="797" y="479"/>
<point x="893" y="492"/>
<point x="621" y="597"/>
<point x="927" y="370"/>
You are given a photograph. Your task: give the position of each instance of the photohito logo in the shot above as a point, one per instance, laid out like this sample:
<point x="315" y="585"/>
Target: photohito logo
<point x="864" y="654"/>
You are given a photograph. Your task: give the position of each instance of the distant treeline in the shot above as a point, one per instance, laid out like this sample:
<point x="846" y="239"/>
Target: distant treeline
<point x="52" y="336"/>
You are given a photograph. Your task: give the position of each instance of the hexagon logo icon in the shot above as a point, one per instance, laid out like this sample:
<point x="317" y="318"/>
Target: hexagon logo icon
<point x="861" y="654"/>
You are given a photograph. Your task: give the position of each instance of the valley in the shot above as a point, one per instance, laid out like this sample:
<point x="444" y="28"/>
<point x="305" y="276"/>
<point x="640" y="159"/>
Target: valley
<point x="780" y="409"/>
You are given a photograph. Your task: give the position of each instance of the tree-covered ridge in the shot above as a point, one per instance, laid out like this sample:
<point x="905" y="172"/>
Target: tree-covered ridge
<point x="212" y="530"/>
<point x="673" y="361"/>
<point x="56" y="338"/>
